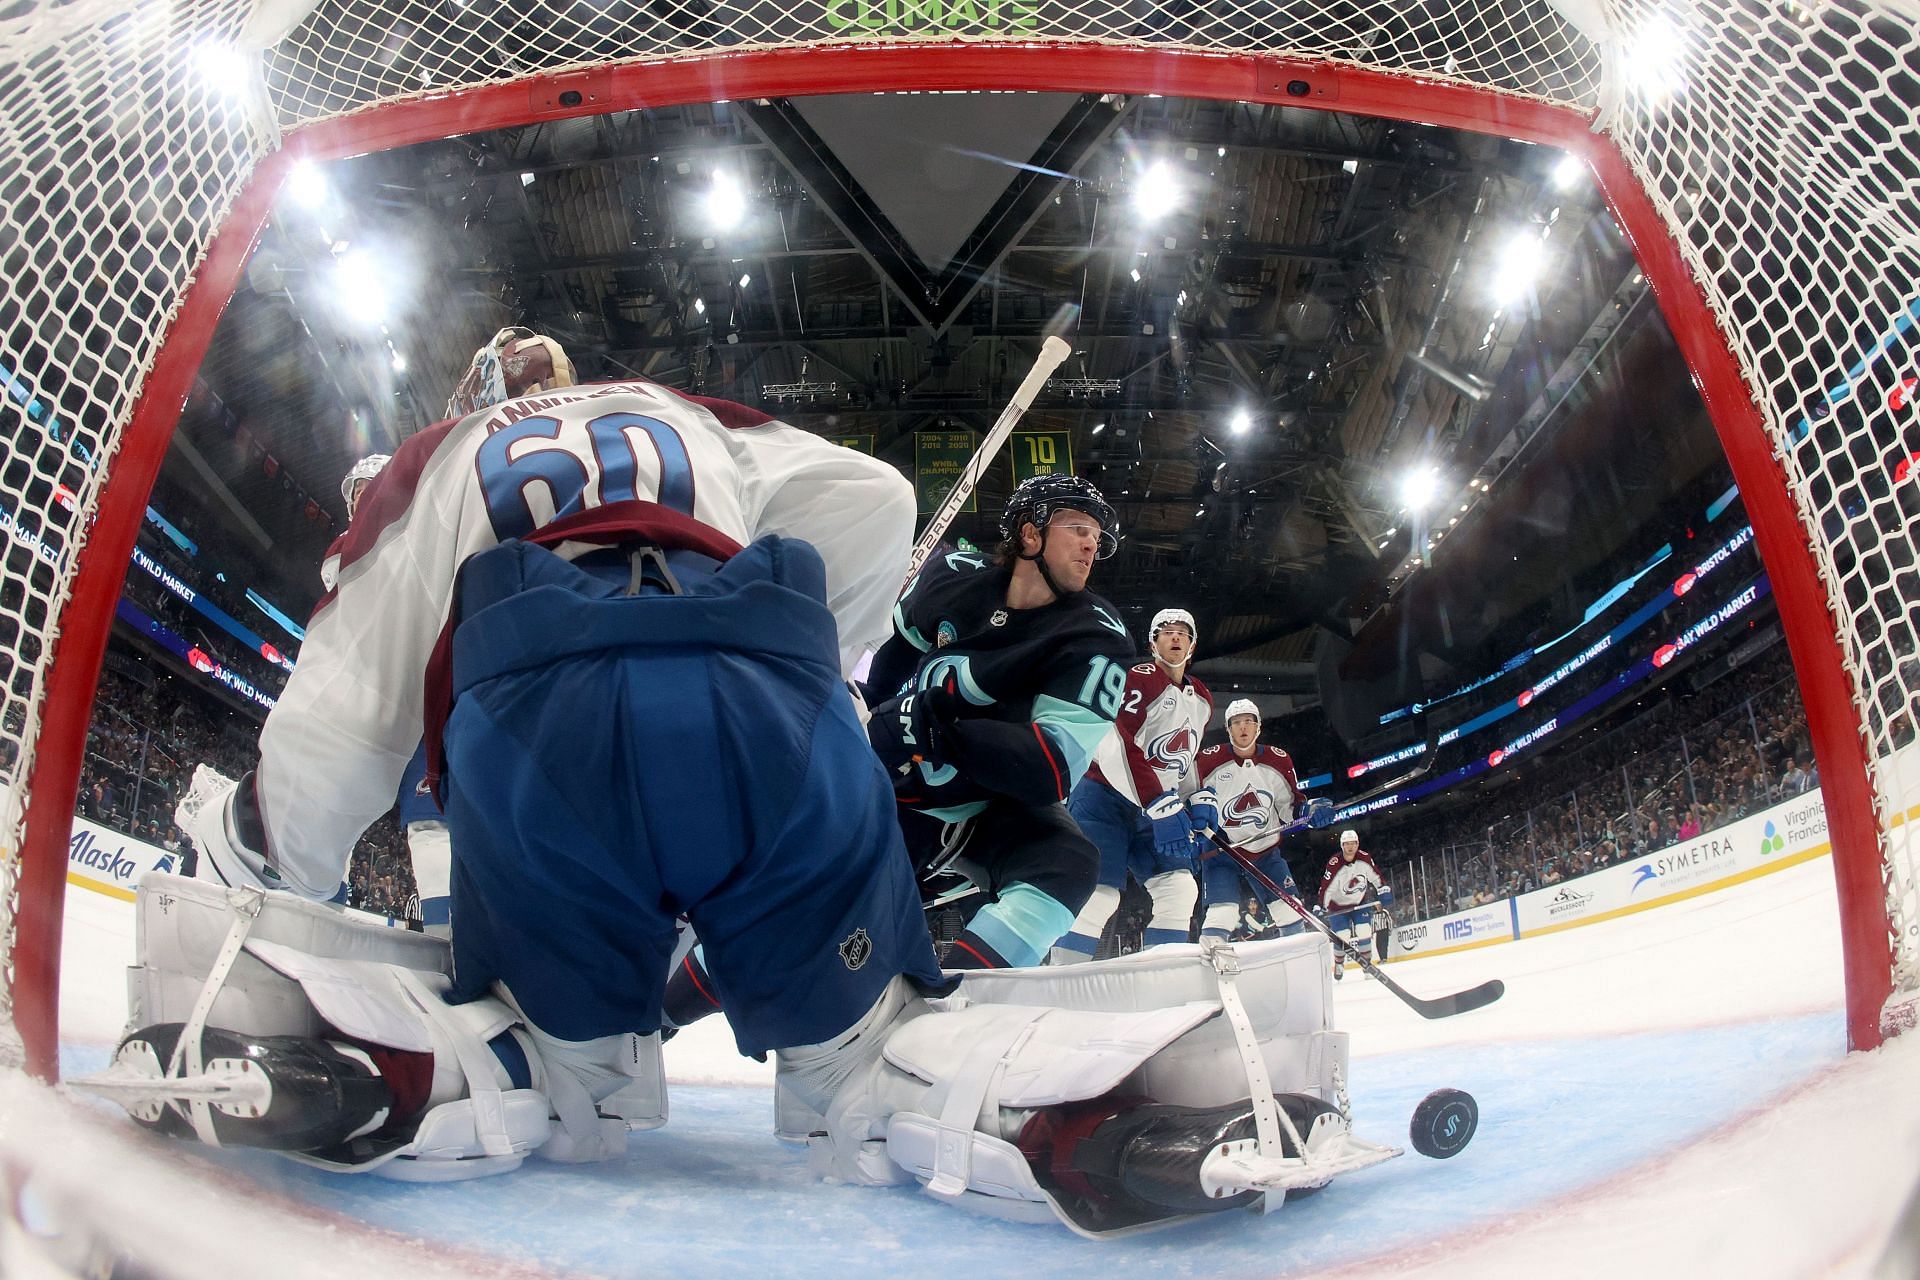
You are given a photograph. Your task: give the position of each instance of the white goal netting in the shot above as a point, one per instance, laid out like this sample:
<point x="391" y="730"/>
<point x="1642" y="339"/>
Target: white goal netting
<point x="1776" y="141"/>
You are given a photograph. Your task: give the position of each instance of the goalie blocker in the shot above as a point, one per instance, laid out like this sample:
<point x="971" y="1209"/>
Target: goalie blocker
<point x="1114" y="1096"/>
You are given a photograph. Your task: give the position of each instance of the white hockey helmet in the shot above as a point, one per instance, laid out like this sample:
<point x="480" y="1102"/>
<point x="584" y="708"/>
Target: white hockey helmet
<point x="1241" y="707"/>
<point x="1166" y="616"/>
<point x="362" y="471"/>
<point x="1349" y="834"/>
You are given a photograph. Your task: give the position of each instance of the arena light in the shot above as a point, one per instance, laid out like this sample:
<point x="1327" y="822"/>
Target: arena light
<point x="360" y="286"/>
<point x="223" y="66"/>
<point x="399" y="363"/>
<point x="725" y="203"/>
<point x="308" y="186"/>
<point x="1155" y="191"/>
<point x="1241" y="423"/>
<point x="1518" y="269"/>
<point x="1418" y="488"/>
<point x="1569" y="172"/>
<point x="1656" y="61"/>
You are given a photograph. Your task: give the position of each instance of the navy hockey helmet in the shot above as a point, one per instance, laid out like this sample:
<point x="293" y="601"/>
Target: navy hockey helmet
<point x="1038" y="497"/>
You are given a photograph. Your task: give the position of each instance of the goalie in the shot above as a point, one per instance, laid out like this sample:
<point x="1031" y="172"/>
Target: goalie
<point x="635" y="717"/>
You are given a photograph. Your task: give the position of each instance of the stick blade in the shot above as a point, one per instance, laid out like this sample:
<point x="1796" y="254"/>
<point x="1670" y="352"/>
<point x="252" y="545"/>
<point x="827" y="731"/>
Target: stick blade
<point x="1461" y="1001"/>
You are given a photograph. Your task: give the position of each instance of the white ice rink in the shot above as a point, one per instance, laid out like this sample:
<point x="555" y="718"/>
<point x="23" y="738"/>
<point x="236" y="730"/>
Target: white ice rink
<point x="1661" y="1094"/>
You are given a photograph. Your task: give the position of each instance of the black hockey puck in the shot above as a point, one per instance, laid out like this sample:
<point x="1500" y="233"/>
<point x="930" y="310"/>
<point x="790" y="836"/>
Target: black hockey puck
<point x="1444" y="1122"/>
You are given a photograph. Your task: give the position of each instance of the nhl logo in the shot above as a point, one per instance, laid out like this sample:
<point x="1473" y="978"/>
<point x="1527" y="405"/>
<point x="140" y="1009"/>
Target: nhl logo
<point x="855" y="950"/>
<point x="999" y="618"/>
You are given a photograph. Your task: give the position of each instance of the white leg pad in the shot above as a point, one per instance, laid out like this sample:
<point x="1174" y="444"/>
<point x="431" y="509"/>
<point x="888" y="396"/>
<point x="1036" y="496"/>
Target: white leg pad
<point x="181" y="924"/>
<point x="957" y="1078"/>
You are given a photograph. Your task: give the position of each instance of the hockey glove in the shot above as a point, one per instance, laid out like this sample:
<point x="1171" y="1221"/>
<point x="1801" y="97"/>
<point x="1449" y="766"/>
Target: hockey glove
<point x="1203" y="806"/>
<point x="1319" y="813"/>
<point x="1172" y="828"/>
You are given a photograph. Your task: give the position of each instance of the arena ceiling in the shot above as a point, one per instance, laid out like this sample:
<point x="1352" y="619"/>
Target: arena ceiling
<point x="1282" y="313"/>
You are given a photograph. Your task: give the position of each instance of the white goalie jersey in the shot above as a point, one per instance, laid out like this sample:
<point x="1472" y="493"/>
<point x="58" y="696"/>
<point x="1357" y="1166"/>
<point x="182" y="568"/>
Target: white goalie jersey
<point x="334" y="749"/>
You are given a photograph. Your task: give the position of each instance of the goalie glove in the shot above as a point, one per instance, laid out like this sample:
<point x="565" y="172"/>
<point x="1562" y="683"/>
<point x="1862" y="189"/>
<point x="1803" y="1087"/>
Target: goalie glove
<point x="1172" y="828"/>
<point x="1203" y="806"/>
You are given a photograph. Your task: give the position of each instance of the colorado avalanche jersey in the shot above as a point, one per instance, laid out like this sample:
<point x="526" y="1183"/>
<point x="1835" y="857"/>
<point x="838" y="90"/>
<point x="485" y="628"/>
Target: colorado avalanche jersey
<point x="1257" y="794"/>
<point x="1060" y="668"/>
<point x="1348" y="884"/>
<point x="1156" y="735"/>
<point x="333" y="750"/>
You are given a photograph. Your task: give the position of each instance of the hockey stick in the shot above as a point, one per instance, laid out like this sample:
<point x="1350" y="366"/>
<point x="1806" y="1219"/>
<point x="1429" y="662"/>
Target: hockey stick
<point x="1439" y="1007"/>
<point x="1052" y="352"/>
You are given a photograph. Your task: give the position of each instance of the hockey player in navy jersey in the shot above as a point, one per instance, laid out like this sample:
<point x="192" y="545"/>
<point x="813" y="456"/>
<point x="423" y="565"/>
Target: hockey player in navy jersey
<point x="1256" y="791"/>
<point x="638" y="718"/>
<point x="1002" y="676"/>
<point x="1134" y="801"/>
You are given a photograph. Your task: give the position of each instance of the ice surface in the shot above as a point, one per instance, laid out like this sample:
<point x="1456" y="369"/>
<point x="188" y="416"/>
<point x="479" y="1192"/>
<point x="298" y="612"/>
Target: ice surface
<point x="1667" y="1093"/>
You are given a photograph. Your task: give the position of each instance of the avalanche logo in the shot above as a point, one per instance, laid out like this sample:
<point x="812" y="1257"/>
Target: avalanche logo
<point x="1251" y="808"/>
<point x="1771" y="841"/>
<point x="1641" y="874"/>
<point x="1173" y="750"/>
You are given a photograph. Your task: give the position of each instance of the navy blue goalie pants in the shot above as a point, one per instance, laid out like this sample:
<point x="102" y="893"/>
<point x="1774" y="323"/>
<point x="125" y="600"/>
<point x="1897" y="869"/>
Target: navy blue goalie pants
<point x="616" y="760"/>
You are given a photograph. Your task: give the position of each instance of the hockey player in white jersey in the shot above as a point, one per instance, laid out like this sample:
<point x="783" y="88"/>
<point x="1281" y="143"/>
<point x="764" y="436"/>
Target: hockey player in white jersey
<point x="658" y="725"/>
<point x="1354" y="895"/>
<point x="1255" y="793"/>
<point x="1134" y="801"/>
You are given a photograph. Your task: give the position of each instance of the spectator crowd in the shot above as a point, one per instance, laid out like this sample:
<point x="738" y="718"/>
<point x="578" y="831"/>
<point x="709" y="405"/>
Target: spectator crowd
<point x="1681" y="767"/>
<point x="151" y="727"/>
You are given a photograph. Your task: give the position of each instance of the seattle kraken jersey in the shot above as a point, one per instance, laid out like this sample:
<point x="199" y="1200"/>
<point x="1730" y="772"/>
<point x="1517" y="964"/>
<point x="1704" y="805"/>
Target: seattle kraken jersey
<point x="1151" y="747"/>
<point x="1057" y="672"/>
<point x="1257" y="794"/>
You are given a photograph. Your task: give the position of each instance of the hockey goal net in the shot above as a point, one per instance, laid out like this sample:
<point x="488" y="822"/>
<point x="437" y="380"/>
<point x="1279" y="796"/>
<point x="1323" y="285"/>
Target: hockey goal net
<point x="1761" y="155"/>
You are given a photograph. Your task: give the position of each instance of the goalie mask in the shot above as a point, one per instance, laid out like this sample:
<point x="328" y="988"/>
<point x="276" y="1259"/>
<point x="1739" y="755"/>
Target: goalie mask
<point x="514" y="362"/>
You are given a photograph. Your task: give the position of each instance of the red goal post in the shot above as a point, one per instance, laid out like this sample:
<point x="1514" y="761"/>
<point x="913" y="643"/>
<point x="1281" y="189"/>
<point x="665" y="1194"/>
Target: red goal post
<point x="1769" y="192"/>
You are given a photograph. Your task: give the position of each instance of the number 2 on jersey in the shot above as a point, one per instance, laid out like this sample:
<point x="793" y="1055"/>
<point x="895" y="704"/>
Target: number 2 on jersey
<point x="504" y="477"/>
<point x="1109" y="679"/>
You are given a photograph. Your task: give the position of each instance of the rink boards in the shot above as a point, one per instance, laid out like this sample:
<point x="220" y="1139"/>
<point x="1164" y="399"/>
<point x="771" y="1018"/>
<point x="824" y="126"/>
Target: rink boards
<point x="1774" y="839"/>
